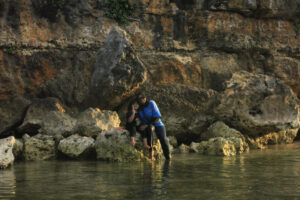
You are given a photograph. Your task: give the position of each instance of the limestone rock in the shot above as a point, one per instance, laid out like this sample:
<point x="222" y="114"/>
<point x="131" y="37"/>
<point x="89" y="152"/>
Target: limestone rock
<point x="118" y="72"/>
<point x="76" y="146"/>
<point x="220" y="129"/>
<point x="18" y="149"/>
<point x="258" y="104"/>
<point x="114" y="145"/>
<point x="11" y="112"/>
<point x="184" y="148"/>
<point x="92" y="121"/>
<point x="173" y="141"/>
<point x="221" y="146"/>
<point x="6" y="155"/>
<point x="47" y="116"/>
<point x="281" y="137"/>
<point x="39" y="147"/>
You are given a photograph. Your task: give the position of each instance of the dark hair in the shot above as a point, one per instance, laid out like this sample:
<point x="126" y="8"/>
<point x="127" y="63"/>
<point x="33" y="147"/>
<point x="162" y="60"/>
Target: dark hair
<point x="140" y="94"/>
<point x="130" y="104"/>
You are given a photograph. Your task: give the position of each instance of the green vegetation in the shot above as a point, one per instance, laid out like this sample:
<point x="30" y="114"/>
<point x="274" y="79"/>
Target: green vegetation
<point x="120" y="10"/>
<point x="49" y="9"/>
<point x="11" y="49"/>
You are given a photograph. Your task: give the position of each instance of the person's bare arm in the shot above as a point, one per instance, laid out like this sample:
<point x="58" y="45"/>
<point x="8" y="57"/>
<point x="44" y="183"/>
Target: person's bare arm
<point x="131" y="117"/>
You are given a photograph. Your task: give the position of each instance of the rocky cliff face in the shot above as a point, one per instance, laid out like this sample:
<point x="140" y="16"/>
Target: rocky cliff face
<point x="191" y="56"/>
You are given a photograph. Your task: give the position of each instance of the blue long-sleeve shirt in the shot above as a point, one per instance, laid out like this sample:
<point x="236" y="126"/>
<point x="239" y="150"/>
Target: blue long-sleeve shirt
<point x="149" y="112"/>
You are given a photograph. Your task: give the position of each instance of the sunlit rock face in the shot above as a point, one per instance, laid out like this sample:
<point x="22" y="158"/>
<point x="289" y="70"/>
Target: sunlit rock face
<point x="181" y="53"/>
<point x="91" y="122"/>
<point x="6" y="152"/>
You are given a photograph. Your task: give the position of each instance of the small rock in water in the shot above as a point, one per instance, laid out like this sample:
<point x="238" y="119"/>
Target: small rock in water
<point x="77" y="146"/>
<point x="6" y="156"/>
<point x="39" y="147"/>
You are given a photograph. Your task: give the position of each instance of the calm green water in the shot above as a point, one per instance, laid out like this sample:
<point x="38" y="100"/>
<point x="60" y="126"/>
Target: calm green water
<point x="268" y="174"/>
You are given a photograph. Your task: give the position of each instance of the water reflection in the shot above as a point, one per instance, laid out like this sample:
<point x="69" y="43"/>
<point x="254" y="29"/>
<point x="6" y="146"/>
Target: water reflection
<point x="269" y="174"/>
<point x="7" y="184"/>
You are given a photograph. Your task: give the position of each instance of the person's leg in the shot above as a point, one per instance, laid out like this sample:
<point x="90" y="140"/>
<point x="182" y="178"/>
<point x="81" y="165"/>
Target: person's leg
<point x="132" y="132"/>
<point x="149" y="141"/>
<point x="162" y="136"/>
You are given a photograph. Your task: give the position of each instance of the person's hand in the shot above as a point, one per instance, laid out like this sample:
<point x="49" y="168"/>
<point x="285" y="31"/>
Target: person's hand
<point x="133" y="110"/>
<point x="143" y="127"/>
<point x="132" y="141"/>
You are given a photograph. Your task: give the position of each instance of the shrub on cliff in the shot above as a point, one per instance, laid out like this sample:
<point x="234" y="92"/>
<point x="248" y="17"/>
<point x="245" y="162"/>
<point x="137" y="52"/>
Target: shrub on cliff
<point x="49" y="9"/>
<point x="119" y="10"/>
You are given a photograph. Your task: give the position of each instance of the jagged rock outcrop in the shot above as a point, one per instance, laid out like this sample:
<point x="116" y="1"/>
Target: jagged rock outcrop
<point x="118" y="71"/>
<point x="39" y="147"/>
<point x="258" y="104"/>
<point x="6" y="152"/>
<point x="91" y="122"/>
<point x="77" y="146"/>
<point x="115" y="146"/>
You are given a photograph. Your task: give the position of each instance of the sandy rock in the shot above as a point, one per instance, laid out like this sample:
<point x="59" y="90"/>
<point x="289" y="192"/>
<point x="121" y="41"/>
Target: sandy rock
<point x="220" y="129"/>
<point x="258" y="104"/>
<point x="6" y="152"/>
<point x="115" y="146"/>
<point x="39" y="147"/>
<point x="92" y="121"/>
<point x="18" y="149"/>
<point x="173" y="141"/>
<point x="47" y="116"/>
<point x="76" y="146"/>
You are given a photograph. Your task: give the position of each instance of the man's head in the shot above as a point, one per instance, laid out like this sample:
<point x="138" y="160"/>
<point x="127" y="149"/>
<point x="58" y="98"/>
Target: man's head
<point x="141" y="98"/>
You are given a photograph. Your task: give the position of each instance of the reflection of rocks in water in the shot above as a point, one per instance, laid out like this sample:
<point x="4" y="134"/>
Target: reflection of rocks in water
<point x="7" y="184"/>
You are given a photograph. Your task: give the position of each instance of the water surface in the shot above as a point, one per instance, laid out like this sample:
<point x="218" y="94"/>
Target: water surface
<point x="269" y="174"/>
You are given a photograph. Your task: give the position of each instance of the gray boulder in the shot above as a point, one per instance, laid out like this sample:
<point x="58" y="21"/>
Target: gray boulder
<point x="39" y="147"/>
<point x="12" y="112"/>
<point x="47" y="116"/>
<point x="118" y="71"/>
<point x="18" y="149"/>
<point x="220" y="129"/>
<point x="6" y="152"/>
<point x="77" y="146"/>
<point x="114" y="145"/>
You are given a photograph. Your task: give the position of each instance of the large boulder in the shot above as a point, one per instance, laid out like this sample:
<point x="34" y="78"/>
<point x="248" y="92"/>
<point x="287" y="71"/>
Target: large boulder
<point x="115" y="145"/>
<point x="258" y="104"/>
<point x="12" y="113"/>
<point x="77" y="146"/>
<point x="118" y="71"/>
<point x="39" y="147"/>
<point x="6" y="152"/>
<point x="221" y="146"/>
<point x="47" y="116"/>
<point x="220" y="129"/>
<point x="91" y="122"/>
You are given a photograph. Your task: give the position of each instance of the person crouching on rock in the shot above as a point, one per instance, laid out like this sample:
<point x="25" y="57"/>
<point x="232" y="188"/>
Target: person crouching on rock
<point x="150" y="115"/>
<point x="133" y="121"/>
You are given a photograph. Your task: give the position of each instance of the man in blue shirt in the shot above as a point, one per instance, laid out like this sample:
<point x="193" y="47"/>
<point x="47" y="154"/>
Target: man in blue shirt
<point x="150" y="115"/>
